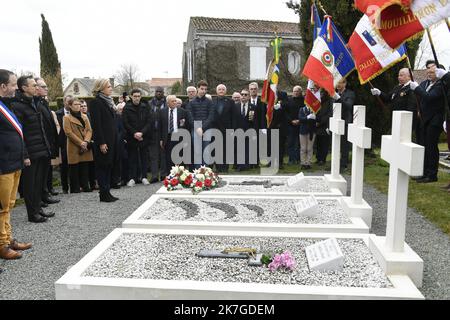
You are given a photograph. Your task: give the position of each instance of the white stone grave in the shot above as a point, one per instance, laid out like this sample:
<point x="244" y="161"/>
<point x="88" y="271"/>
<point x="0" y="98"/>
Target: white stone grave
<point x="361" y="138"/>
<point x="309" y="206"/>
<point x="315" y="185"/>
<point x="405" y="159"/>
<point x="337" y="127"/>
<point x="162" y="264"/>
<point x="242" y="213"/>
<point x="325" y="256"/>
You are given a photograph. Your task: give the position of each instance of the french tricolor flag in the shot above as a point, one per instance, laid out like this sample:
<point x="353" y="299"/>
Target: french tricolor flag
<point x="371" y="53"/>
<point x="330" y="60"/>
<point x="11" y="118"/>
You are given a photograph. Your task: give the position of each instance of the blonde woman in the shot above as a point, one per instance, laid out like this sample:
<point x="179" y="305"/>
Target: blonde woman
<point x="79" y="134"/>
<point x="103" y="121"/>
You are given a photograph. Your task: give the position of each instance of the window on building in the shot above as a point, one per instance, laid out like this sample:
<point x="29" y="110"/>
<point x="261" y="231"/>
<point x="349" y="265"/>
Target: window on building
<point x="76" y="88"/>
<point x="294" y="62"/>
<point x="190" y="65"/>
<point x="258" y="63"/>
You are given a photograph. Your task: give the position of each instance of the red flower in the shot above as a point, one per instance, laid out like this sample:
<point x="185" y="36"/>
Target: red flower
<point x="188" y="181"/>
<point x="199" y="184"/>
<point x="208" y="183"/>
<point x="174" y="182"/>
<point x="166" y="182"/>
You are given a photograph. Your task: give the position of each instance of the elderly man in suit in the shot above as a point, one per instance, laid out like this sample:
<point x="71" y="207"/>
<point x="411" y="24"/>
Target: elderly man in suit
<point x="432" y="95"/>
<point x="172" y="119"/>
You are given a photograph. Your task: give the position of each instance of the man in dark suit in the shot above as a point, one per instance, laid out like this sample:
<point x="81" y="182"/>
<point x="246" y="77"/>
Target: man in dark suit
<point x="433" y="100"/>
<point x="347" y="98"/>
<point x="11" y="163"/>
<point x="445" y="78"/>
<point x="37" y="148"/>
<point x="157" y="156"/>
<point x="244" y="117"/>
<point x="292" y="108"/>
<point x="62" y="142"/>
<point x="401" y="98"/>
<point x="223" y="120"/>
<point x="50" y="132"/>
<point x="172" y="119"/>
<point x="260" y="122"/>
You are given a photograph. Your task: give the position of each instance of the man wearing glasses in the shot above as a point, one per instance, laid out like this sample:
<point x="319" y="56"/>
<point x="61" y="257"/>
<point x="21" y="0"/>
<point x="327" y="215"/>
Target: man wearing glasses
<point x="51" y="133"/>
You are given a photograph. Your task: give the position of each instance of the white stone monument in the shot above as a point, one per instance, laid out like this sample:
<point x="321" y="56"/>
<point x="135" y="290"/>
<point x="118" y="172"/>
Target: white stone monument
<point x="361" y="138"/>
<point x="406" y="159"/>
<point x="308" y="207"/>
<point x="337" y="127"/>
<point x="325" y="256"/>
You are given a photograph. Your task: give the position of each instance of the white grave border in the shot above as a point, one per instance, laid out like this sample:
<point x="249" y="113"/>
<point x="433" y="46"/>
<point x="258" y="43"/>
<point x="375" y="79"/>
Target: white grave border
<point x="334" y="192"/>
<point x="72" y="286"/>
<point x="357" y="224"/>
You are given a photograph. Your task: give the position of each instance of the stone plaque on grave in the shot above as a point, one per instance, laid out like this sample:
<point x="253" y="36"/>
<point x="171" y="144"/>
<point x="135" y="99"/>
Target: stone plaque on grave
<point x="325" y="256"/>
<point x="295" y="179"/>
<point x="307" y="207"/>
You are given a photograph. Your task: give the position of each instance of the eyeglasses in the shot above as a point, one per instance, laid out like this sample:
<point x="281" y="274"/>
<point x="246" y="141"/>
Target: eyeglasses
<point x="43" y="87"/>
<point x="244" y="94"/>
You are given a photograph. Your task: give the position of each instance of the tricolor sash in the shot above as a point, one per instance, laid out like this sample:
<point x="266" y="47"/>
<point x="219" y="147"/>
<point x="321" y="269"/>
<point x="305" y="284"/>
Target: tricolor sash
<point x="11" y="118"/>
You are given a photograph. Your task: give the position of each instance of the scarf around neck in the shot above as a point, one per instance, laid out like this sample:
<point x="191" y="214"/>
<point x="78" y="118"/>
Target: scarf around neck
<point x="107" y="99"/>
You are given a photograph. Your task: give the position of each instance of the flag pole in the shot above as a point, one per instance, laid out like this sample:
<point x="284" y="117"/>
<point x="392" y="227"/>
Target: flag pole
<point x="432" y="47"/>
<point x="378" y="97"/>
<point x="408" y="61"/>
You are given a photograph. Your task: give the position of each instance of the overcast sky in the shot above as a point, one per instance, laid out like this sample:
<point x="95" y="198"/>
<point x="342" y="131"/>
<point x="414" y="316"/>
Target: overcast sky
<point x="94" y="37"/>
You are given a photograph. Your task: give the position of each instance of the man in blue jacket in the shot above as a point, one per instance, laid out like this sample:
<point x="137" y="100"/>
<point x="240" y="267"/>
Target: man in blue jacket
<point x="11" y="163"/>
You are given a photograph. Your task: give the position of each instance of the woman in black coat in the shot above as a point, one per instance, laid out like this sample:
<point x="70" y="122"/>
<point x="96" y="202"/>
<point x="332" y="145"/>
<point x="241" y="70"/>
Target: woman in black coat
<point x="102" y="110"/>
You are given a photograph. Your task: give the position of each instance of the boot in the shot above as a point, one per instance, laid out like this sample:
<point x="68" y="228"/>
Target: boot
<point x="105" y="197"/>
<point x="7" y="253"/>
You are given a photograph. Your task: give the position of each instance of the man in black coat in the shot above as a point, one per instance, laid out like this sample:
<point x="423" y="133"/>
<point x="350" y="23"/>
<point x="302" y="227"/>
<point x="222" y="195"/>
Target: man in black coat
<point x="445" y="78"/>
<point x="51" y="134"/>
<point x="157" y="156"/>
<point x="432" y="94"/>
<point x="11" y="164"/>
<point x="244" y="118"/>
<point x="260" y="122"/>
<point x="37" y="148"/>
<point x="62" y="143"/>
<point x="401" y="98"/>
<point x="223" y="120"/>
<point x="347" y="98"/>
<point x="172" y="119"/>
<point x="292" y="108"/>
<point x="323" y="137"/>
<point x="202" y="110"/>
<point x="138" y="124"/>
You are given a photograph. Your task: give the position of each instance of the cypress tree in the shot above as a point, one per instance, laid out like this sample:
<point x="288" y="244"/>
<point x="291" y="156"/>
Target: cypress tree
<point x="345" y="16"/>
<point x="50" y="65"/>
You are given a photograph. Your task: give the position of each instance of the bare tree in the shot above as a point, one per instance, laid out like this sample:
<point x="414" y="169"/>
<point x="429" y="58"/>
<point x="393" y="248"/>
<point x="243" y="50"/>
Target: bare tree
<point x="127" y="76"/>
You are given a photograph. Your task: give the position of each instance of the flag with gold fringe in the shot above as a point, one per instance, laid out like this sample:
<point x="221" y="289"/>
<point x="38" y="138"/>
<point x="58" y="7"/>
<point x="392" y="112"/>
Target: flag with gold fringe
<point x="270" y="88"/>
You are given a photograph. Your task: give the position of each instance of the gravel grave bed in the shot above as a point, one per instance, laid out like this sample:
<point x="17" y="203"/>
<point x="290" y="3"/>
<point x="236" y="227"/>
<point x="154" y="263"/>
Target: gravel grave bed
<point x="309" y="185"/>
<point x="173" y="257"/>
<point x="244" y="210"/>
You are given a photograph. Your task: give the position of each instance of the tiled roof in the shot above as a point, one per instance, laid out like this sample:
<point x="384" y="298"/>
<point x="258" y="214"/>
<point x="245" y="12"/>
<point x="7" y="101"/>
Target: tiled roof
<point x="87" y="83"/>
<point x="163" y="82"/>
<point x="420" y="75"/>
<point x="247" y="26"/>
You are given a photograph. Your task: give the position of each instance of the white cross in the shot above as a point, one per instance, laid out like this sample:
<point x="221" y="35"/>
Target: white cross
<point x="337" y="127"/>
<point x="361" y="138"/>
<point x="406" y="159"/>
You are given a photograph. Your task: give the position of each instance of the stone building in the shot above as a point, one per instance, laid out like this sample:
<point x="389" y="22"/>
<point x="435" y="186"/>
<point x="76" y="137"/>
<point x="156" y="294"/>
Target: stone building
<point x="236" y="52"/>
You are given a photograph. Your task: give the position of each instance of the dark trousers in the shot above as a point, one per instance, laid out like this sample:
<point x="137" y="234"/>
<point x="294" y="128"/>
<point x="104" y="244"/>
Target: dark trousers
<point x="92" y="175"/>
<point x="64" y="172"/>
<point x="448" y="132"/>
<point x="293" y="144"/>
<point x="345" y="148"/>
<point x="79" y="177"/>
<point x="33" y="179"/>
<point x="157" y="160"/>
<point x="104" y="174"/>
<point x="168" y="155"/>
<point x="49" y="184"/>
<point x="323" y="147"/>
<point x="137" y="162"/>
<point x="431" y="137"/>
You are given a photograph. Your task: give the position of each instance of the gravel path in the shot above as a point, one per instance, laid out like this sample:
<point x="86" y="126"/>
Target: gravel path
<point x="82" y="222"/>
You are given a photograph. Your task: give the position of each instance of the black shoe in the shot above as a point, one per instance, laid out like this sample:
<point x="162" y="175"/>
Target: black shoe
<point x="417" y="178"/>
<point x="37" y="219"/>
<point x="112" y="197"/>
<point x="427" y="180"/>
<point x="116" y="187"/>
<point x="51" y="201"/>
<point x="44" y="205"/>
<point x="87" y="190"/>
<point x="53" y="192"/>
<point x="65" y="192"/>
<point x="162" y="178"/>
<point x="46" y="215"/>
<point x="154" y="181"/>
<point x="105" y="197"/>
